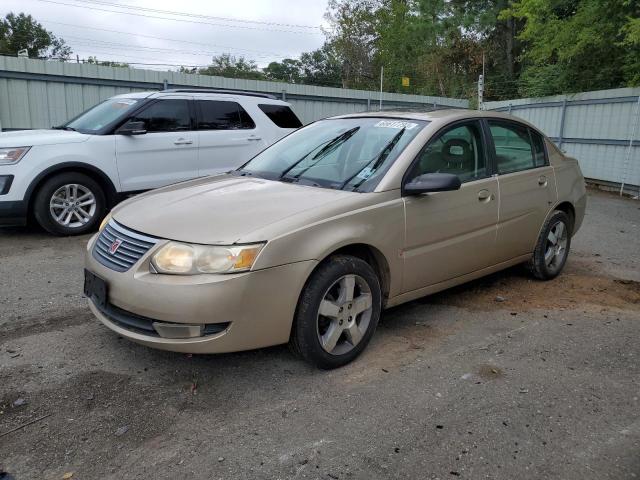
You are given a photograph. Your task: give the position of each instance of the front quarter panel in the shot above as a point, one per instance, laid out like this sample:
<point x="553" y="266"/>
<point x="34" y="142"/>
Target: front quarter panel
<point x="379" y="225"/>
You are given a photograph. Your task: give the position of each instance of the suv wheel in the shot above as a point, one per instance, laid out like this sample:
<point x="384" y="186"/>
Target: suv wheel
<point x="69" y="204"/>
<point x="337" y="313"/>
<point x="552" y="248"/>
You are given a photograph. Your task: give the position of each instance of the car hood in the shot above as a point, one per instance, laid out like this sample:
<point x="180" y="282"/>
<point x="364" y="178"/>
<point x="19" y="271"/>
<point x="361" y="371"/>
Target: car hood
<point x="225" y="209"/>
<point x="30" y="138"/>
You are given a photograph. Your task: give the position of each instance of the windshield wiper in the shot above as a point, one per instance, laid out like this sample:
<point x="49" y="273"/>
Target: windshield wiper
<point x="328" y="148"/>
<point x="378" y="159"/>
<point x="64" y="127"/>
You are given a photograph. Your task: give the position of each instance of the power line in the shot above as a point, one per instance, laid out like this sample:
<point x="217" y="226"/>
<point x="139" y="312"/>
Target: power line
<point x="166" y="39"/>
<point x="178" y="19"/>
<point x="98" y="43"/>
<point x="196" y="15"/>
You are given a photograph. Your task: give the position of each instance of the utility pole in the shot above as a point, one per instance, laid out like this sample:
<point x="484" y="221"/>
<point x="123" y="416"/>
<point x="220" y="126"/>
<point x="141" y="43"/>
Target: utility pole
<point x="381" y="77"/>
<point x="481" y="92"/>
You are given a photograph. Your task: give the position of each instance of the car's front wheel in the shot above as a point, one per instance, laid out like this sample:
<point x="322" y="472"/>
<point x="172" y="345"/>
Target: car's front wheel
<point x="552" y="248"/>
<point x="337" y="313"/>
<point x="70" y="203"/>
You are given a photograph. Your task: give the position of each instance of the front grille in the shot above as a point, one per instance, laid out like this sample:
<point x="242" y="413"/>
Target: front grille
<point x="132" y="247"/>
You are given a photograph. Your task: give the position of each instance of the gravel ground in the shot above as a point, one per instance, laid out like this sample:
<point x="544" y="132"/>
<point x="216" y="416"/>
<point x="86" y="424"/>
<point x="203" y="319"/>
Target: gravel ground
<point x="544" y="384"/>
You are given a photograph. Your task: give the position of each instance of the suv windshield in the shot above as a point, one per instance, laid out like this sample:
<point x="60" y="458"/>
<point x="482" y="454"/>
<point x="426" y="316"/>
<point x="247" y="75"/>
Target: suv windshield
<point x="344" y="153"/>
<point x="101" y="115"/>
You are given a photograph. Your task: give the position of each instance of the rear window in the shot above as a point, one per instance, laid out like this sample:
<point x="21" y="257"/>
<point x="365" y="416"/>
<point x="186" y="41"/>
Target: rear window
<point x="222" y="115"/>
<point x="281" y="115"/>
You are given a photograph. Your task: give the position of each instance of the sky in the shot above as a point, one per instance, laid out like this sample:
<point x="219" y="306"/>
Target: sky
<point x="162" y="34"/>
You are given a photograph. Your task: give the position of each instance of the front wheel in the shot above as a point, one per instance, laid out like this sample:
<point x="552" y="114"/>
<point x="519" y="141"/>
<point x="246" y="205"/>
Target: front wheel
<point x="337" y="313"/>
<point x="70" y="203"/>
<point x="552" y="248"/>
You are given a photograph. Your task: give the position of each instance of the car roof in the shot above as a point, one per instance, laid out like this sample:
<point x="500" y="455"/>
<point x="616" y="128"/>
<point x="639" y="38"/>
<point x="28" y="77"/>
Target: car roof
<point x="449" y="114"/>
<point x="440" y="118"/>
<point x="205" y="93"/>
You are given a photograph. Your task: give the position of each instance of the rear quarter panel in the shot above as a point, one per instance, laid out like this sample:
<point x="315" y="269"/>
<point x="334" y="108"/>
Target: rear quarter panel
<point x="569" y="183"/>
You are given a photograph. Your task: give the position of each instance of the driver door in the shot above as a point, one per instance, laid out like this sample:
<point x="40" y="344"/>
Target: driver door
<point x="449" y="234"/>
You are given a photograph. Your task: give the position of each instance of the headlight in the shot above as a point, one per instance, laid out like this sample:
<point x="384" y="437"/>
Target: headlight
<point x="9" y="156"/>
<point x="104" y="222"/>
<point x="185" y="259"/>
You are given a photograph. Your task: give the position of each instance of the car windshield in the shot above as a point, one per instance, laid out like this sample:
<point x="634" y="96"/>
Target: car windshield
<point x="101" y="115"/>
<point x="344" y="153"/>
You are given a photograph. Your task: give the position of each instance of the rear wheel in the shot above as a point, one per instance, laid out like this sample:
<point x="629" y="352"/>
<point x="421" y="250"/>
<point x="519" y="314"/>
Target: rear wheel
<point x="552" y="248"/>
<point x="70" y="203"/>
<point x="337" y="313"/>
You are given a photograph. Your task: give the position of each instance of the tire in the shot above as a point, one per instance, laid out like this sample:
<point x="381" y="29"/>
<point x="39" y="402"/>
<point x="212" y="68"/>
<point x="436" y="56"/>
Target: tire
<point x="70" y="197"/>
<point x="336" y="336"/>
<point x="549" y="258"/>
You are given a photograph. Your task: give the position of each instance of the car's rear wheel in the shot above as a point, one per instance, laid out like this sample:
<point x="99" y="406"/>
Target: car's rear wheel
<point x="70" y="203"/>
<point x="552" y="248"/>
<point x="337" y="313"/>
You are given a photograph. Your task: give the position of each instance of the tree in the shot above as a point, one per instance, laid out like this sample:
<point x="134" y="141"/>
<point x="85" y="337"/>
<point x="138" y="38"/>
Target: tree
<point x="227" y="65"/>
<point x="18" y="32"/>
<point x="577" y="45"/>
<point x="289" y="70"/>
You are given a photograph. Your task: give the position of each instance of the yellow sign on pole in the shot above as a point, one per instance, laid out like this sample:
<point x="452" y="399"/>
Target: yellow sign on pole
<point x="405" y="81"/>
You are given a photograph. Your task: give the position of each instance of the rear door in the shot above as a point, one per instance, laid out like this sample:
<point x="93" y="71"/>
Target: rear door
<point x="449" y="234"/>
<point x="228" y="136"/>
<point x="527" y="186"/>
<point x="167" y="153"/>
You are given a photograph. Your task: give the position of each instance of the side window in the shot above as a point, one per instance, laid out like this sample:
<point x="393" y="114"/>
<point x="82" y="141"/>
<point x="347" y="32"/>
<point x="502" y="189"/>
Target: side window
<point x="540" y="158"/>
<point x="458" y="151"/>
<point x="281" y="115"/>
<point x="514" y="151"/>
<point x="222" y="115"/>
<point x="165" y="116"/>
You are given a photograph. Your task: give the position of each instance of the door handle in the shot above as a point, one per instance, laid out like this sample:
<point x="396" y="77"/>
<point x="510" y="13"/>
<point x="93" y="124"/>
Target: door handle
<point x="542" y="181"/>
<point x="182" y="141"/>
<point x="254" y="139"/>
<point x="484" y="195"/>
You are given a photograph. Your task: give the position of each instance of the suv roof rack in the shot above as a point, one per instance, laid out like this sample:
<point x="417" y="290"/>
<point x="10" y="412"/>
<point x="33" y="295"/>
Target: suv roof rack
<point x="221" y="90"/>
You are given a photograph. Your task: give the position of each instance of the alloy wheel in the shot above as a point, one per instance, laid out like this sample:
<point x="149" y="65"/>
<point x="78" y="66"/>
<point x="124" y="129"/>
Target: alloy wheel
<point x="344" y="314"/>
<point x="556" y="246"/>
<point x="72" y="205"/>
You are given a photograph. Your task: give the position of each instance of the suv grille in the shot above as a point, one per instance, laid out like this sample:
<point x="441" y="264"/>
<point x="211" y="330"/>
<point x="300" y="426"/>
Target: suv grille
<point x="119" y="248"/>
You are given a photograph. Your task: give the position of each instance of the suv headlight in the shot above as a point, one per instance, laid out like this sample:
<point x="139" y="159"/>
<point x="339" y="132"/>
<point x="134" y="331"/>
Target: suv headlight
<point x="185" y="259"/>
<point x="9" y="156"/>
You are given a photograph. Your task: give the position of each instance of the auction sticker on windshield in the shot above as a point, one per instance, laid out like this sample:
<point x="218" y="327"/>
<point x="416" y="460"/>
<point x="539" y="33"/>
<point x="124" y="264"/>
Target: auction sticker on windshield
<point x="396" y="124"/>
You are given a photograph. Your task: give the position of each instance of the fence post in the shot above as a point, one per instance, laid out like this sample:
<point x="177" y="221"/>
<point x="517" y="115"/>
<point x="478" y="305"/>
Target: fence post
<point x="562" y="117"/>
<point x="627" y="159"/>
<point x="165" y="84"/>
<point x="509" y="112"/>
<point x="284" y="95"/>
<point x="369" y="103"/>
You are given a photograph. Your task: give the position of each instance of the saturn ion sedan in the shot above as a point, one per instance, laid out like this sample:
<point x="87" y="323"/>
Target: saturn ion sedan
<point x="313" y="238"/>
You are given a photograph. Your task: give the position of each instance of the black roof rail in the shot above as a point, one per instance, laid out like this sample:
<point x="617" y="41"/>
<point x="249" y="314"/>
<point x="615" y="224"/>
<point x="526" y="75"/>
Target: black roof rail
<point x="221" y="90"/>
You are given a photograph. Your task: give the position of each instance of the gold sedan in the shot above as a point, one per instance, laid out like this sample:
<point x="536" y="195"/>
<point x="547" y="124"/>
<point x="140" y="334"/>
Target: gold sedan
<point x="314" y="237"/>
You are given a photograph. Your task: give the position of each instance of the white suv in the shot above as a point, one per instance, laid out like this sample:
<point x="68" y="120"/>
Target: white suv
<point x="69" y="176"/>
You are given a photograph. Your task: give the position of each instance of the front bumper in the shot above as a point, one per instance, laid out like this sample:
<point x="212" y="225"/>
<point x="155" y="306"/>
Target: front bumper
<point x="256" y="308"/>
<point x="13" y="213"/>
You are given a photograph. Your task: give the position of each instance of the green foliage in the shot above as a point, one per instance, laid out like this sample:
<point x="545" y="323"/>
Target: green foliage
<point x="227" y="65"/>
<point x="577" y="45"/>
<point x="18" y="32"/>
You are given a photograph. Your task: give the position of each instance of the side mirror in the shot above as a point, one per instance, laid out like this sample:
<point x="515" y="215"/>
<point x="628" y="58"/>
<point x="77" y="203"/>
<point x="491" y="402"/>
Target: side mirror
<point x="132" y="128"/>
<point x="432" y="182"/>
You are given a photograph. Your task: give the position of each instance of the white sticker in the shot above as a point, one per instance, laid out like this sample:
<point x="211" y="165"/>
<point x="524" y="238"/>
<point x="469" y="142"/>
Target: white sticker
<point x="124" y="103"/>
<point x="396" y="124"/>
<point x="365" y="173"/>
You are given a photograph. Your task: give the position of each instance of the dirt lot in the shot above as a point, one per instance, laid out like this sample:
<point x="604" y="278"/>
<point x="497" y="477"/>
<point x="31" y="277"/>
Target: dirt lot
<point x="545" y="384"/>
